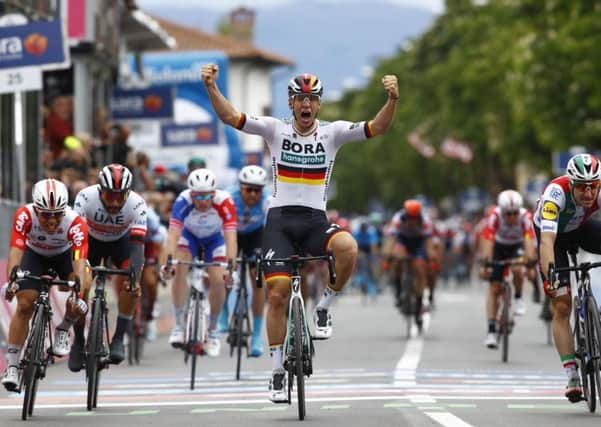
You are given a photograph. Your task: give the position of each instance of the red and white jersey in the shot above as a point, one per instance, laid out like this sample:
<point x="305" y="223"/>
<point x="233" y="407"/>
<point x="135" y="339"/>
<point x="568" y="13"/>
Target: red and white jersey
<point x="498" y="230"/>
<point x="106" y="227"/>
<point x="72" y="232"/>
<point x="221" y="216"/>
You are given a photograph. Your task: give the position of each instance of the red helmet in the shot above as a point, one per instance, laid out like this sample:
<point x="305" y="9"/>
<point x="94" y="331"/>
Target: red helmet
<point x="413" y="208"/>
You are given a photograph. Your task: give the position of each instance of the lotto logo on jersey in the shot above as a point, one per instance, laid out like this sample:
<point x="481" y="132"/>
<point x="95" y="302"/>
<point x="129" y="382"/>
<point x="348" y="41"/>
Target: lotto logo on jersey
<point x="550" y="211"/>
<point x="20" y="223"/>
<point x="77" y="235"/>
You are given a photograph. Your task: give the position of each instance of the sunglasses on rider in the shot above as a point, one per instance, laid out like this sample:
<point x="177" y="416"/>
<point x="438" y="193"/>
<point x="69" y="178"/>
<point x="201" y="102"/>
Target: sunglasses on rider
<point x="47" y="215"/>
<point x="583" y="186"/>
<point x="302" y="97"/>
<point x="250" y="190"/>
<point x="200" y="197"/>
<point x="115" y="196"/>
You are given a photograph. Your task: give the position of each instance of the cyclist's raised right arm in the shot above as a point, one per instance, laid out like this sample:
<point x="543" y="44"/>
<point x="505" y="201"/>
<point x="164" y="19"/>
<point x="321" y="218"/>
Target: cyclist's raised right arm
<point x="223" y="108"/>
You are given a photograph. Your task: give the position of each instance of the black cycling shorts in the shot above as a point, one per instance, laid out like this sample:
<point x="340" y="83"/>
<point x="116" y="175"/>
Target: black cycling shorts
<point x="249" y="242"/>
<point x="587" y="237"/>
<point x="117" y="251"/>
<point x="38" y="265"/>
<point x="502" y="252"/>
<point x="291" y="230"/>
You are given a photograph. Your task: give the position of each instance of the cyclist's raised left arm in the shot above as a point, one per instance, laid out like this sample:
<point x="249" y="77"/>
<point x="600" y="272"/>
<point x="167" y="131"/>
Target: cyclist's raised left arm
<point x="380" y="124"/>
<point x="223" y="108"/>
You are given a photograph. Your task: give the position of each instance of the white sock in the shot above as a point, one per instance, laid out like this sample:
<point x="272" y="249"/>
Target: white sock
<point x="12" y="354"/>
<point x="275" y="353"/>
<point x="180" y="315"/>
<point x="327" y="299"/>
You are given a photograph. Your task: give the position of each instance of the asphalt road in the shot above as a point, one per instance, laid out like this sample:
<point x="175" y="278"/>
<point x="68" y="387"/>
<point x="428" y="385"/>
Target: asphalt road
<point x="369" y="373"/>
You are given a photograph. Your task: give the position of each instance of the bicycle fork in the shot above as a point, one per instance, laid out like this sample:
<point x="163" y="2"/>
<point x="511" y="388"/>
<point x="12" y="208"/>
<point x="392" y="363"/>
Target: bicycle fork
<point x="308" y="350"/>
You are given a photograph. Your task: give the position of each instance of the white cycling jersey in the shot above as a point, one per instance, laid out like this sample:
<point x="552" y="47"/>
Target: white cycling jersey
<point x="106" y="227"/>
<point x="302" y="164"/>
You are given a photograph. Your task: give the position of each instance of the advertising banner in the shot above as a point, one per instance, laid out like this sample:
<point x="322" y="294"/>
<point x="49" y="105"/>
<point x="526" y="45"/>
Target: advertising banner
<point x="189" y="134"/>
<point x="153" y="103"/>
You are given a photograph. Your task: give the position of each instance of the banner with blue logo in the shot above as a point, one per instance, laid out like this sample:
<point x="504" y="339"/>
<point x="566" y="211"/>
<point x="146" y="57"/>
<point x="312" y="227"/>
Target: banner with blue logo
<point x="189" y="134"/>
<point x="38" y="43"/>
<point x="153" y="103"/>
<point x="192" y="107"/>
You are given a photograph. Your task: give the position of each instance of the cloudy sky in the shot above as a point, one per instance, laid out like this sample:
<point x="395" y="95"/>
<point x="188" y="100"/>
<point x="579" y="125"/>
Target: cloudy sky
<point x="435" y="6"/>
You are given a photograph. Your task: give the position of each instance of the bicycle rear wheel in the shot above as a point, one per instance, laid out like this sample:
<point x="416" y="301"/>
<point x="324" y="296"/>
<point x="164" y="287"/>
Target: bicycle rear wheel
<point x="297" y="318"/>
<point x="193" y="336"/>
<point x="238" y="325"/>
<point x="94" y="352"/>
<point x="595" y="342"/>
<point x="34" y="360"/>
<point x="505" y="323"/>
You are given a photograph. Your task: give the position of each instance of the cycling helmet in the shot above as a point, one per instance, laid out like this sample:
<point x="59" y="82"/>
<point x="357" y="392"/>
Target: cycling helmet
<point x="253" y="175"/>
<point x="115" y="178"/>
<point x="201" y="180"/>
<point x="413" y="208"/>
<point x="305" y="83"/>
<point x="50" y="195"/>
<point x="509" y="200"/>
<point x="583" y="168"/>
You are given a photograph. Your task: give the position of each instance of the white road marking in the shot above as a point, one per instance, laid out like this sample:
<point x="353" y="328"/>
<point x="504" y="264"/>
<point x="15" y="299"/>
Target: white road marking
<point x="447" y="419"/>
<point x="406" y="367"/>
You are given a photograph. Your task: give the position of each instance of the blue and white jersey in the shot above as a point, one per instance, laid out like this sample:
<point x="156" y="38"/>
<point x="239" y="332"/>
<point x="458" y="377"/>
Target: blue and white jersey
<point x="155" y="231"/>
<point x="250" y="219"/>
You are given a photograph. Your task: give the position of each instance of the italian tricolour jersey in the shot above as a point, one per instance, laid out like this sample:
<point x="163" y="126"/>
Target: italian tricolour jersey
<point x="106" y="227"/>
<point x="302" y="164"/>
<point x="556" y="211"/>
<point x="72" y="232"/>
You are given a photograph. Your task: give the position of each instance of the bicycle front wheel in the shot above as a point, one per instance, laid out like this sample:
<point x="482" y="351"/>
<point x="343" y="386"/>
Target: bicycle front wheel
<point x="33" y="362"/>
<point x="298" y="324"/>
<point x="588" y="386"/>
<point x="194" y="338"/>
<point x="94" y="352"/>
<point x="595" y="343"/>
<point x="506" y="322"/>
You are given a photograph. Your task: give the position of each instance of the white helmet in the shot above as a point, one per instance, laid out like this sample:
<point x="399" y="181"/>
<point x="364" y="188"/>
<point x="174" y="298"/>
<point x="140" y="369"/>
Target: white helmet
<point x="116" y="178"/>
<point x="583" y="168"/>
<point x="509" y="200"/>
<point x="202" y="180"/>
<point x="253" y="175"/>
<point x="50" y="195"/>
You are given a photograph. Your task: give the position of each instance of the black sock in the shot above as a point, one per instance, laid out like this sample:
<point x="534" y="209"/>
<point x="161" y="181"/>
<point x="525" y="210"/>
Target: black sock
<point x="122" y="322"/>
<point x="78" y="329"/>
<point x="492" y="326"/>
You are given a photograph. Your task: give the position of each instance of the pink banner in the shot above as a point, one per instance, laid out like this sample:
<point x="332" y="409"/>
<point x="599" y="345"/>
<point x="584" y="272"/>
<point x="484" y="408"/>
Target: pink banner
<point x="76" y="19"/>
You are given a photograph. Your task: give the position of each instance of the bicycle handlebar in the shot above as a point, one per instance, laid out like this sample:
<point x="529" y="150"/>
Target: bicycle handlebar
<point x="583" y="267"/>
<point x="105" y="271"/>
<point x="198" y="263"/>
<point x="295" y="260"/>
<point x="17" y="275"/>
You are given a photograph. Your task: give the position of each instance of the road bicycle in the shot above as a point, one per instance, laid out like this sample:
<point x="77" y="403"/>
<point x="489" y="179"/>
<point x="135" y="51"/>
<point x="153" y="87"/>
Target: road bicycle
<point x="198" y="310"/>
<point x="505" y="316"/>
<point x="406" y="295"/>
<point x="98" y="341"/>
<point x="298" y="344"/>
<point x="587" y="328"/>
<point x="35" y="358"/>
<point x="239" y="329"/>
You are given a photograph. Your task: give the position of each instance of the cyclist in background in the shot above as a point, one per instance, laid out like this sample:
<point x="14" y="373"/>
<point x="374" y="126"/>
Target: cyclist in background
<point x="367" y="243"/>
<point x="508" y="234"/>
<point x="413" y="232"/>
<point x="251" y="200"/>
<point x="562" y="221"/>
<point x="202" y="217"/>
<point x="46" y="234"/>
<point x="302" y="151"/>
<point x="116" y="218"/>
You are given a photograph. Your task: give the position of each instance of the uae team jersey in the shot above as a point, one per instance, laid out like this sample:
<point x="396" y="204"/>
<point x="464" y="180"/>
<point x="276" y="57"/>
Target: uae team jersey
<point x="498" y="230"/>
<point x="220" y="216"/>
<point x="302" y="164"/>
<point x="106" y="227"/>
<point x="72" y="232"/>
<point x="556" y="211"/>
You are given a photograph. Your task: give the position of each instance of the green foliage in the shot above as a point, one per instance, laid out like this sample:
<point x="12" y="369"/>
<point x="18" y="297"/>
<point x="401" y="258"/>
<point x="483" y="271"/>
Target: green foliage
<point x="515" y="79"/>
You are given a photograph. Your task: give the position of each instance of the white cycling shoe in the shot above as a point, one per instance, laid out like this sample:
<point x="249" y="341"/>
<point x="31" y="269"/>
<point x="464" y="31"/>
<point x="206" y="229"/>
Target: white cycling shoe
<point x="519" y="307"/>
<point x="176" y="339"/>
<point x="61" y="345"/>
<point x="323" y="324"/>
<point x="278" y="393"/>
<point x="491" y="340"/>
<point x="213" y="345"/>
<point x="11" y="379"/>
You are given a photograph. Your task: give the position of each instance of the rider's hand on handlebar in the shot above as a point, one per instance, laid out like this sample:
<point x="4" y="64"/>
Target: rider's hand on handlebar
<point x="79" y="307"/>
<point x="10" y="290"/>
<point x="167" y="272"/>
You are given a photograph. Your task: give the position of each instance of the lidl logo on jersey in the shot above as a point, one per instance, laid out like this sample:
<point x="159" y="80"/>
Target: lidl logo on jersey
<point x="303" y="154"/>
<point x="549" y="211"/>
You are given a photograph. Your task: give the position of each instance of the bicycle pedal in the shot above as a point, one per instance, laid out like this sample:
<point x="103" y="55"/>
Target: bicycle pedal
<point x="314" y="338"/>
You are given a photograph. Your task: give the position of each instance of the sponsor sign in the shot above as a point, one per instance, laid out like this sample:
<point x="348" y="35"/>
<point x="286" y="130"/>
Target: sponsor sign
<point x="20" y="79"/>
<point x="550" y="211"/>
<point x="34" y="44"/>
<point x="189" y="134"/>
<point x="153" y="103"/>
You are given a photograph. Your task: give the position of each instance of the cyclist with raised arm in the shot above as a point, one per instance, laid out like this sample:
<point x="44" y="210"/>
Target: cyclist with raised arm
<point x="562" y="221"/>
<point x="413" y="232"/>
<point x="202" y="217"/>
<point x="251" y="201"/>
<point x="116" y="218"/>
<point x="302" y="152"/>
<point x="507" y="235"/>
<point x="46" y="234"/>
